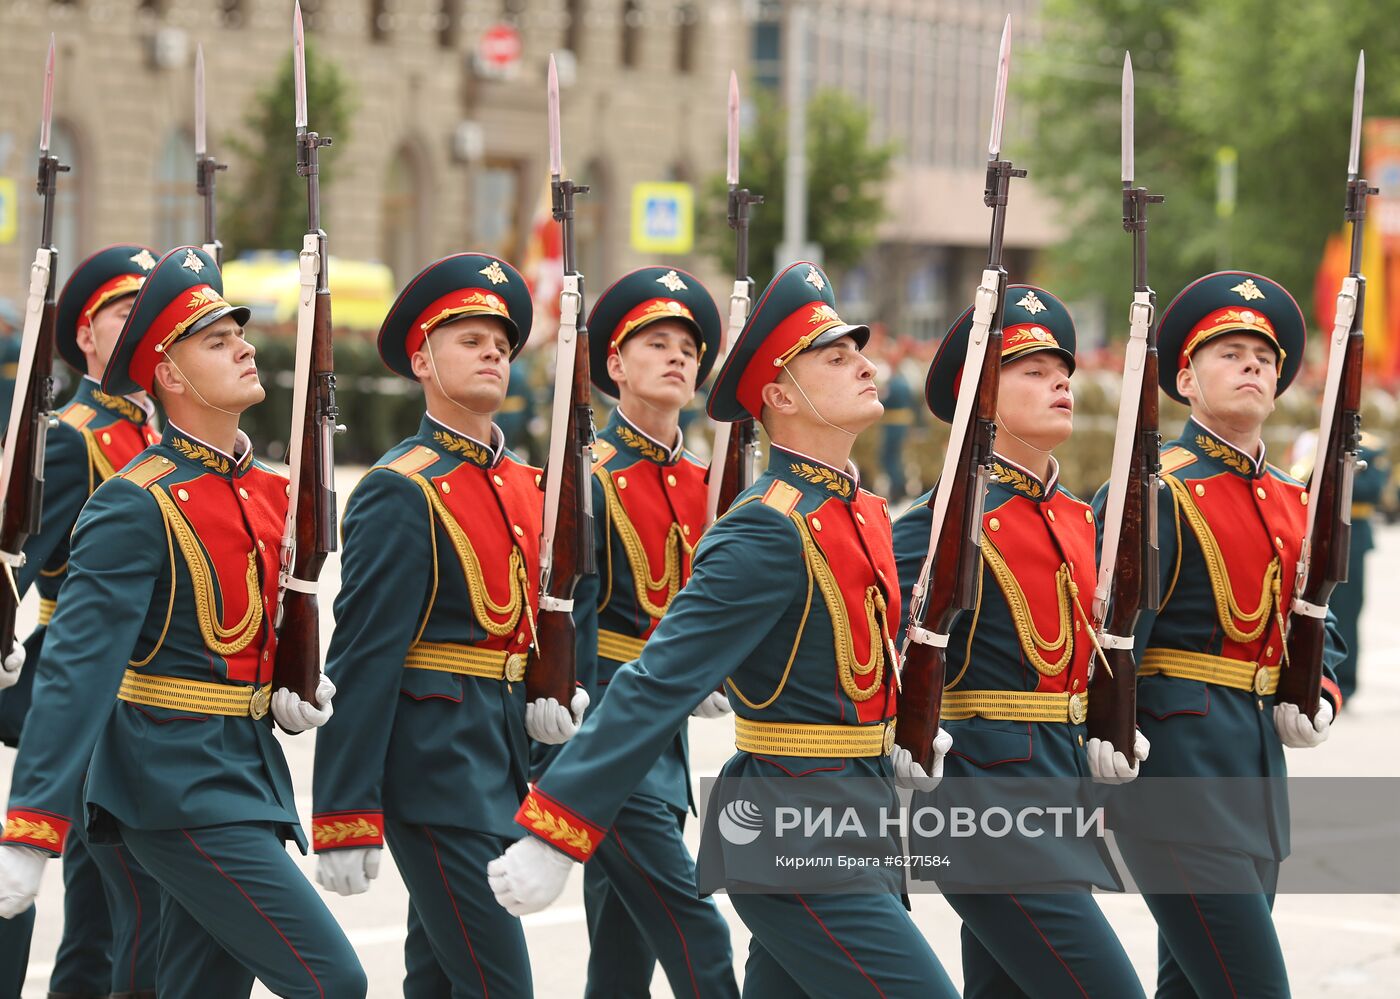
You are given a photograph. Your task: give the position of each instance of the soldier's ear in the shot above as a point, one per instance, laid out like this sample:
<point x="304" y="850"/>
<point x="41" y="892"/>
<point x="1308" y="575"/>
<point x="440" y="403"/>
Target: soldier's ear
<point x="167" y="380"/>
<point x="1186" y="381"/>
<point x="422" y="367"/>
<point x="777" y="398"/>
<point x="615" y="369"/>
<point x="85" y="340"/>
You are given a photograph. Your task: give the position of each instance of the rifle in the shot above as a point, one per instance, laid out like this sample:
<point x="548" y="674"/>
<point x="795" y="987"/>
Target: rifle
<point x="1129" y="563"/>
<point x="310" y="532"/>
<point x="566" y="539"/>
<point x="31" y="409"/>
<point x="735" y="444"/>
<point x="947" y="582"/>
<point x="205" y="165"/>
<point x="1327" y="543"/>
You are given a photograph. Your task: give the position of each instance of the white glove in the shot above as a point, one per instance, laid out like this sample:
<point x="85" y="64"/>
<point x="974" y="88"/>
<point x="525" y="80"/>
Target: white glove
<point x="1297" y="731"/>
<point x="21" y="868"/>
<point x="348" y="872"/>
<point x="715" y="705"/>
<point x="9" y="669"/>
<point x="908" y="774"/>
<point x="296" y="715"/>
<point x="548" y="722"/>
<point x="529" y="876"/>
<point x="1110" y="766"/>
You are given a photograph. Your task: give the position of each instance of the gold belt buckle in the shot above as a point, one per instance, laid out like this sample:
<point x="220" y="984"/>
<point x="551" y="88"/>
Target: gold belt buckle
<point x="1261" y="681"/>
<point x="889" y="738"/>
<point x="261" y="701"/>
<point x="515" y="667"/>
<point x="1077" y="713"/>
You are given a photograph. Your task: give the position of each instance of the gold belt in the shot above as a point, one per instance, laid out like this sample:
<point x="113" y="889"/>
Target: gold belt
<point x="1263" y="680"/>
<point x="198" y="696"/>
<point x="467" y="660"/>
<point x="618" y="647"/>
<point x="46" y="609"/>
<point x="823" y="741"/>
<point x="1014" y="705"/>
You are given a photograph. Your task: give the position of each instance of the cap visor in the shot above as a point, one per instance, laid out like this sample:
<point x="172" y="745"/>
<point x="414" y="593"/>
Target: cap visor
<point x="860" y="333"/>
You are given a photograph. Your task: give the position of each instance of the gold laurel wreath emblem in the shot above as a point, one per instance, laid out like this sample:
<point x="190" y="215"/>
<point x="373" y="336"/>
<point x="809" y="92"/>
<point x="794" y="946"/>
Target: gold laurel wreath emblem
<point x="39" y="832"/>
<point x="339" y="832"/>
<point x="824" y="477"/>
<point x="557" y="828"/>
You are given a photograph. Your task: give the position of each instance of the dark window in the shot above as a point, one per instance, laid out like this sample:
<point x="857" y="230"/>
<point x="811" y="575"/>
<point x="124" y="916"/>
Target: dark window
<point x="449" y="23"/>
<point x="631" y="32"/>
<point x="379" y="20"/>
<point x="688" y="36"/>
<point x="573" y="30"/>
<point x="231" y="13"/>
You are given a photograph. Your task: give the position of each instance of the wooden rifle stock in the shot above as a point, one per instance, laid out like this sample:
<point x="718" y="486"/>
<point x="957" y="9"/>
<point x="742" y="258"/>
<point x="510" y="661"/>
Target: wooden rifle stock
<point x="1300" y="682"/>
<point x="552" y="667"/>
<point x="951" y="586"/>
<point x="738" y="462"/>
<point x="1135" y="583"/>
<point x="298" y="663"/>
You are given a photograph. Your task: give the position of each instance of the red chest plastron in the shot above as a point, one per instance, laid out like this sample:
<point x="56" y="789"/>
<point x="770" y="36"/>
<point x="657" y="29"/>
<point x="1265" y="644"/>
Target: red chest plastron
<point x="494" y="519"/>
<point x="239" y="524"/>
<point x="657" y="512"/>
<point x="853" y="567"/>
<point x="1250" y="533"/>
<point x="1042" y="557"/>
<point x="123" y="440"/>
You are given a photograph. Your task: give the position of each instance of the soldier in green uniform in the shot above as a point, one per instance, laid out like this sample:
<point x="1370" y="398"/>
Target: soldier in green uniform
<point x="435" y="617"/>
<point x="898" y="399"/>
<point x="792" y="606"/>
<point x="1016" y="699"/>
<point x="654" y="335"/>
<point x="157" y="672"/>
<point x="1231" y="531"/>
<point x="109" y="940"/>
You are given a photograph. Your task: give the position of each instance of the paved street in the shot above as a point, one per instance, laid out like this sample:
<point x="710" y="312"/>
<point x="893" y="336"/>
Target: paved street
<point x="1336" y="945"/>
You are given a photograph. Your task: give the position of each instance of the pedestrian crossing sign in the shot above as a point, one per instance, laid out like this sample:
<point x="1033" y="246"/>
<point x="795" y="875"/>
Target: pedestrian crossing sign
<point x="663" y="218"/>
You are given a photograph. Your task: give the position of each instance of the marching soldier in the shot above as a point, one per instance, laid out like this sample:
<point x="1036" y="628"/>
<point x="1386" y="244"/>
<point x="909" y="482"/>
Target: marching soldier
<point x="1018" y="672"/>
<point x="1231" y="530"/>
<point x="654" y="335"/>
<point x="157" y="672"/>
<point x="96" y="436"/>
<point x="791" y="605"/>
<point x="435" y="616"/>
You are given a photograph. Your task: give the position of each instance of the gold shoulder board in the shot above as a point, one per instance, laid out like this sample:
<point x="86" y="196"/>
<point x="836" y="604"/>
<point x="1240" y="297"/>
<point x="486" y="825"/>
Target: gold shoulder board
<point x="603" y="453"/>
<point x="783" y="497"/>
<point x="1175" y="458"/>
<point x="412" y="462"/>
<point x="77" y="415"/>
<point x="149" y="471"/>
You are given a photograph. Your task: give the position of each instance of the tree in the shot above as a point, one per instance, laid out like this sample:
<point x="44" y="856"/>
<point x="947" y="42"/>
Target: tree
<point x="1271" y="81"/>
<point x="269" y="209"/>
<point x="845" y="178"/>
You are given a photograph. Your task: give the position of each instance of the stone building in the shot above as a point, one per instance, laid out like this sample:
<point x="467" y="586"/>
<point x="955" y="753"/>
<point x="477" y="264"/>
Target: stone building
<point x="447" y="150"/>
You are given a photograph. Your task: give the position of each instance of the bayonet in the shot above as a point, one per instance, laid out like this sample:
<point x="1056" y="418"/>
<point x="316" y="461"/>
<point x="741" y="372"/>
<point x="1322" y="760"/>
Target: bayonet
<point x="735" y="444"/>
<point x="1324" y="559"/>
<point x="310" y="532"/>
<point x="566" y="537"/>
<point x="205" y="166"/>
<point x="31" y="406"/>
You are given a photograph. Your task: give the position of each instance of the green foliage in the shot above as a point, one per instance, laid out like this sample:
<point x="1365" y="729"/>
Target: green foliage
<point x="845" y="174"/>
<point x="1271" y="80"/>
<point x="267" y="209"/>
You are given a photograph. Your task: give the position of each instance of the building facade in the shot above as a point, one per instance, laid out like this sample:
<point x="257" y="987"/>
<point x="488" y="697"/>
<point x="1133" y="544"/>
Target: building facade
<point x="927" y="71"/>
<point x="447" y="148"/>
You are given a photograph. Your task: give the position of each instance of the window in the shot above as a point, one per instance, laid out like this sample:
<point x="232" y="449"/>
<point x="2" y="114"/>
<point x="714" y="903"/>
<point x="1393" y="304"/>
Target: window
<point x="231" y="13"/>
<point x="403" y="220"/>
<point x="688" y="36"/>
<point x="179" y="212"/>
<point x="573" y="30"/>
<point x="449" y="23"/>
<point x="592" y="229"/>
<point x="380" y="20"/>
<point x="513" y="12"/>
<point x="496" y="208"/>
<point x="631" y="32"/>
